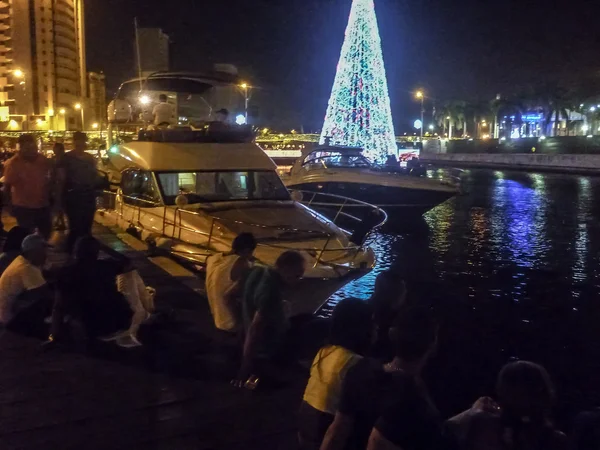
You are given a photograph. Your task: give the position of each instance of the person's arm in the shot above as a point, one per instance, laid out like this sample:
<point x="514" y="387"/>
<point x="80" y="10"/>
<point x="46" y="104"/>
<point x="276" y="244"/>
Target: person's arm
<point x="60" y="183"/>
<point x="338" y="432"/>
<point x="8" y="182"/>
<point x="251" y="345"/>
<point x="378" y="442"/>
<point x="124" y="262"/>
<point x="239" y="274"/>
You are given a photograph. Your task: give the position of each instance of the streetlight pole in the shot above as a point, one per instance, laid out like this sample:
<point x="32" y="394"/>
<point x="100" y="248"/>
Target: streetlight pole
<point x="79" y="107"/>
<point x="421" y="97"/>
<point x="245" y="87"/>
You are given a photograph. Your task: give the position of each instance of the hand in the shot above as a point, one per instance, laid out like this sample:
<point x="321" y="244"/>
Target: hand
<point x="486" y="404"/>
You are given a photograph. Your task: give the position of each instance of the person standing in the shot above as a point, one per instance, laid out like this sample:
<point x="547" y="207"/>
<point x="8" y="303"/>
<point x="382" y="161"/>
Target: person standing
<point x="162" y="114"/>
<point x="27" y="187"/>
<point x="77" y="180"/>
<point x="59" y="215"/>
<point x="225" y="277"/>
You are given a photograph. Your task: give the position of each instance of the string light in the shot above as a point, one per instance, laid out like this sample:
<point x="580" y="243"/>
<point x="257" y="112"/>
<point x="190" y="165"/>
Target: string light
<point x="359" y="112"/>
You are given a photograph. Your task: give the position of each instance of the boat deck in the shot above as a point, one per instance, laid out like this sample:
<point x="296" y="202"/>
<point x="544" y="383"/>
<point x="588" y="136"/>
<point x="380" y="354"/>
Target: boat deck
<point x="172" y="395"/>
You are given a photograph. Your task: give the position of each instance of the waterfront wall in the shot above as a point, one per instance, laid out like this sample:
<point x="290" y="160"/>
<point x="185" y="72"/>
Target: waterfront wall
<point x="558" y="163"/>
<point x="574" y="145"/>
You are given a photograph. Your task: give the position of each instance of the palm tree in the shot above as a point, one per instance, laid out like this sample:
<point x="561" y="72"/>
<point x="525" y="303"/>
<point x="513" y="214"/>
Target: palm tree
<point x="506" y="107"/>
<point x="554" y="100"/>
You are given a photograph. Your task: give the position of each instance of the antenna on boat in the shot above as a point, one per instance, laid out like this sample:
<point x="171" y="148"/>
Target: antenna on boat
<point x="138" y="51"/>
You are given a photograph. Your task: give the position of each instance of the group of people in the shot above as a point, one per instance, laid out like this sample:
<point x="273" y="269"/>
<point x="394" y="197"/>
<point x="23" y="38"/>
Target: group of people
<point x="36" y="189"/>
<point x="84" y="293"/>
<point x="366" y="389"/>
<point x="247" y="302"/>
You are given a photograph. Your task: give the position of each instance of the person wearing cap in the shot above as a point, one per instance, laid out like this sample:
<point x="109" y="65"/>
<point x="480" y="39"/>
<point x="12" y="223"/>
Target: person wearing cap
<point x="27" y="187"/>
<point x="77" y="181"/>
<point x="25" y="298"/>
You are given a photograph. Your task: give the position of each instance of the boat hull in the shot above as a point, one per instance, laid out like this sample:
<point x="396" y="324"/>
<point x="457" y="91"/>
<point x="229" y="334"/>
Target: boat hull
<point x="400" y="203"/>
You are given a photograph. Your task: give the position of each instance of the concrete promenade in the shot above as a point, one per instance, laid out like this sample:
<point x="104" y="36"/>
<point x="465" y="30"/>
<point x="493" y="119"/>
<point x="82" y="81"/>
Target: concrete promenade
<point x="172" y="395"/>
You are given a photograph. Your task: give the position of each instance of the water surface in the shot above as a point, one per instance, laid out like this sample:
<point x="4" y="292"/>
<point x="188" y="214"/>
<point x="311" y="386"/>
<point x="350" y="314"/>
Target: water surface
<point x="512" y="269"/>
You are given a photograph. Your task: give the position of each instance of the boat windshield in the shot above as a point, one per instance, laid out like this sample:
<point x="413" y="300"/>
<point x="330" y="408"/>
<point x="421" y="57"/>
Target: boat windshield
<point x="337" y="160"/>
<point x="224" y="186"/>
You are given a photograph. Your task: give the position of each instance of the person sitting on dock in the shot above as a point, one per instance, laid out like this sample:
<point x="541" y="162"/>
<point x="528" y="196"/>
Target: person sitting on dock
<point x="226" y="274"/>
<point x="389" y="296"/>
<point x="350" y="334"/>
<point x="25" y="298"/>
<point x="389" y="407"/>
<point x="12" y="246"/>
<point x="87" y="290"/>
<point x="264" y="313"/>
<point x="521" y="419"/>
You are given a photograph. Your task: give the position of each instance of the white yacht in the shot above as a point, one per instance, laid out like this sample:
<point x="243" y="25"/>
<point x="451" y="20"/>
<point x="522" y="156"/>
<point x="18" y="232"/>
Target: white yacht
<point x="345" y="171"/>
<point x="189" y="192"/>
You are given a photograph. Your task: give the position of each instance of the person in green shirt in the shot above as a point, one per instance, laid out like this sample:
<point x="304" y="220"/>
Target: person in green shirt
<point x="263" y="309"/>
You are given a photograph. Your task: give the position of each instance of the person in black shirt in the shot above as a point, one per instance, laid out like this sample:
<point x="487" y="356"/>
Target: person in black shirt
<point x="389" y="407"/>
<point x="77" y="181"/>
<point x="87" y="291"/>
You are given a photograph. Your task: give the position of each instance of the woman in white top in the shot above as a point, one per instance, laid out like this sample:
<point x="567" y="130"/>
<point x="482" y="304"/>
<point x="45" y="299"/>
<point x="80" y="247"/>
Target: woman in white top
<point x="225" y="276"/>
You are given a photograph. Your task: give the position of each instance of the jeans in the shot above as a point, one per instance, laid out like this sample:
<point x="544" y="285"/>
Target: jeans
<point x="34" y="218"/>
<point x="80" y="208"/>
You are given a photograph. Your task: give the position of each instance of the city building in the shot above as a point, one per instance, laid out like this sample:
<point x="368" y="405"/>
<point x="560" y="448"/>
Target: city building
<point x="97" y="99"/>
<point x="152" y="51"/>
<point x="43" y="79"/>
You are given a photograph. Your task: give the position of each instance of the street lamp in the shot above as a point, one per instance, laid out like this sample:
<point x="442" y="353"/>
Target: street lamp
<point x="420" y="96"/>
<point x="79" y="108"/>
<point x="95" y="126"/>
<point x="245" y="88"/>
<point x="18" y="73"/>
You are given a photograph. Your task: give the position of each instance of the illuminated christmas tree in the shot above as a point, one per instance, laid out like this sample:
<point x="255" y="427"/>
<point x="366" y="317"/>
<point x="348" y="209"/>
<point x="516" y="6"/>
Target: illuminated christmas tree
<point x="359" y="112"/>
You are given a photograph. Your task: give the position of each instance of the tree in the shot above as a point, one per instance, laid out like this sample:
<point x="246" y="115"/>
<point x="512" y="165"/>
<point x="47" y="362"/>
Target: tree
<point x="555" y="101"/>
<point x="506" y="107"/>
<point x="359" y="112"/>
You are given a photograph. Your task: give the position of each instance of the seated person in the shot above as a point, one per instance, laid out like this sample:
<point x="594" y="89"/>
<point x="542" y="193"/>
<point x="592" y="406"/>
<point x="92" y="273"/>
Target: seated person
<point x="87" y="290"/>
<point x="25" y="298"/>
<point x="12" y="246"/>
<point x="225" y="277"/>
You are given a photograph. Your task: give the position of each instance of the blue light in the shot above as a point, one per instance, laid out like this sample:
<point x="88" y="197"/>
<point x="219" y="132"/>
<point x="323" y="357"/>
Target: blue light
<point x="114" y="149"/>
<point x="240" y="119"/>
<point x="418" y="124"/>
<point x="359" y="112"/>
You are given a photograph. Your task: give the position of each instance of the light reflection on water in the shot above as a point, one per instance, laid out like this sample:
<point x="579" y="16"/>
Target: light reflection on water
<point x="511" y="264"/>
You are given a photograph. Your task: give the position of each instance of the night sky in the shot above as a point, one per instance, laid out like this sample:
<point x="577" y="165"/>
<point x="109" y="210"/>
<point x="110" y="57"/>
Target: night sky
<point x="456" y="50"/>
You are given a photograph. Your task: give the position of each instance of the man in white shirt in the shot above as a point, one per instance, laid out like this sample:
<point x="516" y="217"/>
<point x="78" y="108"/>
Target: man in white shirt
<point x="163" y="112"/>
<point x="22" y="285"/>
<point x="225" y="277"/>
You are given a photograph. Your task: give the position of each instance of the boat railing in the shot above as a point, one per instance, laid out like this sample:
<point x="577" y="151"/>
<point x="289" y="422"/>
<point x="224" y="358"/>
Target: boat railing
<point x="341" y="204"/>
<point x="177" y="226"/>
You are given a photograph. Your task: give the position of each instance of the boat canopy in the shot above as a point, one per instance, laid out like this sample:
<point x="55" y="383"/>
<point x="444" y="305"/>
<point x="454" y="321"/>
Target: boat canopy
<point x="193" y="156"/>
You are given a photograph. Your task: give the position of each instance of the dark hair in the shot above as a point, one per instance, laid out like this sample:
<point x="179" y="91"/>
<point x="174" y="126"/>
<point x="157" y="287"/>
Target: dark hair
<point x="415" y="332"/>
<point x="26" y="138"/>
<point x="525" y="390"/>
<point x="290" y="258"/>
<point x="351" y="325"/>
<point x="388" y="285"/>
<point x="223" y="111"/>
<point x="59" y="147"/>
<point x="87" y="248"/>
<point x="14" y="239"/>
<point x="243" y="241"/>
<point x="163" y="98"/>
<point x="79" y="136"/>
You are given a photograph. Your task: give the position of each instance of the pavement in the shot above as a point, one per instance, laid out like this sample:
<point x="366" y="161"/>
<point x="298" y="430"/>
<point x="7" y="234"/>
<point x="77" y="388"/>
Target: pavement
<point x="173" y="393"/>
